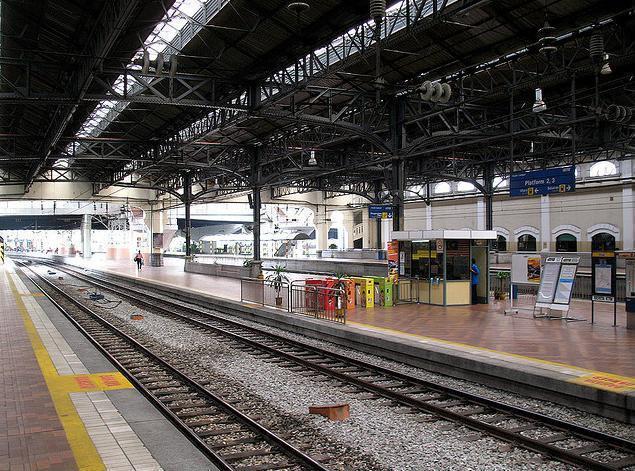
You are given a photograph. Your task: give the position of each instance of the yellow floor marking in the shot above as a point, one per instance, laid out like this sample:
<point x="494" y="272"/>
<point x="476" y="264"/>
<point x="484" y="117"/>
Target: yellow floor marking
<point x="607" y="381"/>
<point x="84" y="451"/>
<point x="578" y="380"/>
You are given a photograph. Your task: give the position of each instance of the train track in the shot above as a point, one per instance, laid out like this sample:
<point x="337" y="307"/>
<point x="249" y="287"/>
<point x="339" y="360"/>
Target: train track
<point x="213" y="425"/>
<point x="478" y="413"/>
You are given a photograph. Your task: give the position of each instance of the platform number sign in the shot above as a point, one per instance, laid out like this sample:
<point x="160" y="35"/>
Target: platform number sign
<point x="380" y="211"/>
<point x="543" y="182"/>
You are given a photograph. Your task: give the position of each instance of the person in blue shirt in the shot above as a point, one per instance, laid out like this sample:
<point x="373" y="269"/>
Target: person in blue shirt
<point x="475" y="272"/>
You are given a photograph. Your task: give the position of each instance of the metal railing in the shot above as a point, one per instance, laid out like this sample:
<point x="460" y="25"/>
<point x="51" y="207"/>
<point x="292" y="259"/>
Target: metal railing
<point x="318" y="302"/>
<point x="581" y="288"/>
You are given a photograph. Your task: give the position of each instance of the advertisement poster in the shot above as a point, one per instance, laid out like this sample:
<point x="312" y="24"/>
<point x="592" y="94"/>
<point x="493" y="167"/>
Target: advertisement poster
<point x="393" y="257"/>
<point x="603" y="279"/>
<point x="157" y="240"/>
<point x="565" y="284"/>
<point x="548" y="283"/>
<point x="533" y="269"/>
<point x="630" y="278"/>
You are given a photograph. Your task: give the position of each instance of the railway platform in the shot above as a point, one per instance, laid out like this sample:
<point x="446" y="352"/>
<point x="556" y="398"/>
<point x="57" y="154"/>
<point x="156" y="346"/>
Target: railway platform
<point x="575" y="363"/>
<point x="64" y="405"/>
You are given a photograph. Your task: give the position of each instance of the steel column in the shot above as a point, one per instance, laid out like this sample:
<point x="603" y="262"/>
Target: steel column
<point x="187" y="200"/>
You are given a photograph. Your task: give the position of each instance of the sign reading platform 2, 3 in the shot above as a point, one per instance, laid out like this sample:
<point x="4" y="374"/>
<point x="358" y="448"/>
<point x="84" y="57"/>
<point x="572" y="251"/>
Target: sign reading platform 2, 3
<point x="543" y="182"/>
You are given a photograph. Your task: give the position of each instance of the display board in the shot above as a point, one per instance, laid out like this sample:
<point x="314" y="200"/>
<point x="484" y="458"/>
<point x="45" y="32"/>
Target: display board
<point x="380" y="211"/>
<point x="603" y="276"/>
<point x="525" y="268"/>
<point x="548" y="281"/>
<point x="564" y="288"/>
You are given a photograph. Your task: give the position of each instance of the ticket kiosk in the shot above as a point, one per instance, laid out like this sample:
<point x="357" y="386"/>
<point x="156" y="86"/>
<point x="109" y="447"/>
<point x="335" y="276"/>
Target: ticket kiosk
<point x="435" y="265"/>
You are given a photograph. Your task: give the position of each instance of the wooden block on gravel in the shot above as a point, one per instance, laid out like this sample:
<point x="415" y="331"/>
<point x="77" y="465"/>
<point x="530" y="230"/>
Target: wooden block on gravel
<point x="136" y="317"/>
<point x="332" y="412"/>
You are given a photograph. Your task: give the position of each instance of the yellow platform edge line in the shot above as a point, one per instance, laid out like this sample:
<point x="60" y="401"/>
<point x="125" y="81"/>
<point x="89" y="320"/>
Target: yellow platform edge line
<point x="84" y="451"/>
<point x="586" y="373"/>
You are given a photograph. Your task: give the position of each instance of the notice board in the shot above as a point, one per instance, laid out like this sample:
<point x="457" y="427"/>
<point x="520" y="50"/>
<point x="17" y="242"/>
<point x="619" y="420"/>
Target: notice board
<point x="525" y="268"/>
<point x="548" y="281"/>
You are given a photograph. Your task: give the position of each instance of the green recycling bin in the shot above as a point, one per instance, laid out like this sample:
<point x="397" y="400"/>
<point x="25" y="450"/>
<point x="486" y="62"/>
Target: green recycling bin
<point x="383" y="291"/>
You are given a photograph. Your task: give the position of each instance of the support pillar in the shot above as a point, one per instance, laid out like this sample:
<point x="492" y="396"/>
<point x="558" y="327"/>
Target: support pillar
<point x="256" y="203"/>
<point x="545" y="224"/>
<point x="187" y="201"/>
<point x="156" y="242"/>
<point x="628" y="216"/>
<point x="86" y="230"/>
<point x="488" y="180"/>
<point x="398" y="138"/>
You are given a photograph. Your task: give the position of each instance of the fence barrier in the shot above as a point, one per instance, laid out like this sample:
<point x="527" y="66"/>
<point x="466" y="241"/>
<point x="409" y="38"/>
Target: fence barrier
<point x="581" y="288"/>
<point x="318" y="302"/>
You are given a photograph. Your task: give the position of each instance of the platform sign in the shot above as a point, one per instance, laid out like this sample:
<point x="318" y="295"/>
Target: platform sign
<point x="543" y="182"/>
<point x="380" y="211"/>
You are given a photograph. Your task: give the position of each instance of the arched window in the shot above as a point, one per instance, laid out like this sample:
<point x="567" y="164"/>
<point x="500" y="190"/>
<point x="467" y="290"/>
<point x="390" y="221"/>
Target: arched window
<point x="603" y="169"/>
<point x="526" y="243"/>
<point x="465" y="186"/>
<point x="566" y="243"/>
<point x="603" y="242"/>
<point x="500" y="182"/>
<point x="501" y="243"/>
<point x="442" y="188"/>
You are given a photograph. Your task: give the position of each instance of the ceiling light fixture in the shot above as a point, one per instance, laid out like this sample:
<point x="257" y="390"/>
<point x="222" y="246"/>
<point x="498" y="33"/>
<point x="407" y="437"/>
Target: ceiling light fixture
<point x="539" y="104"/>
<point x="312" y="160"/>
<point x="606" y="67"/>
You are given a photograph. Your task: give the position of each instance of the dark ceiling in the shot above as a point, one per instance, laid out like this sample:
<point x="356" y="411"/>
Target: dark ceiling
<point x="251" y="100"/>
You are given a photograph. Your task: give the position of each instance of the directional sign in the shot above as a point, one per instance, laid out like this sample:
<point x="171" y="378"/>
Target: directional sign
<point x="543" y="182"/>
<point x="380" y="211"/>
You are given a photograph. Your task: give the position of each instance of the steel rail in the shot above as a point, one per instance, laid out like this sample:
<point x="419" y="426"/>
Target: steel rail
<point x="531" y="444"/>
<point x="270" y="437"/>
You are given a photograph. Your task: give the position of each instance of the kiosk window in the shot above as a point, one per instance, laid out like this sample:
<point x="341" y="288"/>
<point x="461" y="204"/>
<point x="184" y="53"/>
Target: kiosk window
<point x="420" y="267"/>
<point x="457" y="262"/>
<point x="405" y="255"/>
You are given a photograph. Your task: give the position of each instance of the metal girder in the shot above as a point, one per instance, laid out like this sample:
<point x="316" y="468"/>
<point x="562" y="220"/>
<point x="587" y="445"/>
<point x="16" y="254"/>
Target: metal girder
<point x="112" y="22"/>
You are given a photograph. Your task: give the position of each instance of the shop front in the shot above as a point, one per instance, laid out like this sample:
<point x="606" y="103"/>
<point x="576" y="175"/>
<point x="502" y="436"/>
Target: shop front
<point x="435" y="267"/>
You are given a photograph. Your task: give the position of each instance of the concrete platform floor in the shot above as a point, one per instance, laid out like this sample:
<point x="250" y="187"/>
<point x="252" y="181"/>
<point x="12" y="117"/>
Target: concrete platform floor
<point x="599" y="347"/>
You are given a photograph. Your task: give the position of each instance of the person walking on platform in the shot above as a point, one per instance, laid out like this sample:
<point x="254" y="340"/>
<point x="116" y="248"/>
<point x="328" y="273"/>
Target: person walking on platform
<point x="475" y="272"/>
<point x="139" y="259"/>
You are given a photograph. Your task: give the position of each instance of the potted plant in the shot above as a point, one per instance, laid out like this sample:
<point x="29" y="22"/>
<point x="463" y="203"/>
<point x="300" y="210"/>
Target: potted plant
<point x="340" y="297"/>
<point x="499" y="292"/>
<point x="276" y="280"/>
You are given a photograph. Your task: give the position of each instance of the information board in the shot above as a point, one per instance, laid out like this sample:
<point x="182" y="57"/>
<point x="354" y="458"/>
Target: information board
<point x="564" y="288"/>
<point x="543" y="182"/>
<point x="525" y="268"/>
<point x="380" y="211"/>
<point x="603" y="273"/>
<point x="548" y="282"/>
